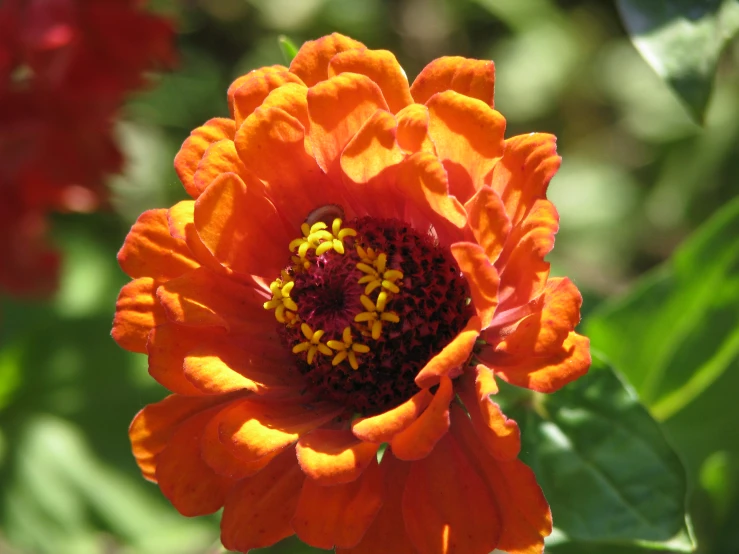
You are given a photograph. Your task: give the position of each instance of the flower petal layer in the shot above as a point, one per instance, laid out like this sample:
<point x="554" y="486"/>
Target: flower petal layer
<point x="382" y="67"/>
<point x="468" y="135"/>
<point x="334" y="457"/>
<point x="137" y="311"/>
<point x="383" y="427"/>
<point x="191" y="152"/>
<point x="312" y="60"/>
<point x="488" y="222"/>
<point x="449" y="361"/>
<point x="473" y="78"/>
<point x="526" y="518"/>
<point x="339" y="515"/>
<point x="183" y="477"/>
<point x="338" y="108"/>
<point x="447" y="507"/>
<point x="413" y="129"/>
<point x="482" y="279"/>
<point x="500" y="435"/>
<point x="418" y="439"/>
<point x="150" y="250"/>
<point x="167" y="346"/>
<point x="247" y="93"/>
<point x="258" y="510"/>
<point x="219" y="158"/>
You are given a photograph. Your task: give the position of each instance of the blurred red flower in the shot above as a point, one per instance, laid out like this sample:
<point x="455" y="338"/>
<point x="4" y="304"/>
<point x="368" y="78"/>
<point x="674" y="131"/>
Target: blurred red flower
<point x="65" y="67"/>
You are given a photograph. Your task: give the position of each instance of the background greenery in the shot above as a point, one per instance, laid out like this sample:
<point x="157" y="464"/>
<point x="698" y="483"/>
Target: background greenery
<point x="621" y="453"/>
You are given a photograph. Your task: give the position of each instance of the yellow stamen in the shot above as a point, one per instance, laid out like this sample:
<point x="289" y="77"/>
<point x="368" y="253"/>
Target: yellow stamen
<point x="347" y="349"/>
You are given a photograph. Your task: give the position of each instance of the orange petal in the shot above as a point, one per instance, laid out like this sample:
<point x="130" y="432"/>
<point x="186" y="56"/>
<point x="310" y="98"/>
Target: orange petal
<point x="219" y="158"/>
<point x="334" y="457"/>
<point x="522" y="175"/>
<point x="247" y="93"/>
<point x="383" y="427"/>
<point x="187" y="159"/>
<point x="473" y="78"/>
<point x="271" y="144"/>
<point x="184" y="478"/>
<point x="292" y="98"/>
<point x="525" y="514"/>
<point x="488" y="221"/>
<point x="220" y="460"/>
<point x="447" y="506"/>
<point x="418" y="439"/>
<point x="182" y="226"/>
<point x="423" y="181"/>
<point x="468" y="135"/>
<point x="544" y="331"/>
<point x="339" y="515"/>
<point x="258" y="510"/>
<point x="312" y="60"/>
<point x="153" y="426"/>
<point x="449" y="361"/>
<point x="372" y="150"/>
<point x="137" y="311"/>
<point x="382" y="67"/>
<point x="413" y="129"/>
<point x="168" y="344"/>
<point x="202" y="298"/>
<point x="223" y="364"/>
<point x="545" y="373"/>
<point x="150" y="251"/>
<point x="500" y="435"/>
<point x="241" y="228"/>
<point x="387" y="532"/>
<point x="338" y="108"/>
<point x="252" y="429"/>
<point x="482" y="279"/>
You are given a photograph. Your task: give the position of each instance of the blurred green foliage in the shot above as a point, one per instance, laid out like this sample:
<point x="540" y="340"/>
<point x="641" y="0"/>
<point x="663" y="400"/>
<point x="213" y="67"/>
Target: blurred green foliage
<point x="638" y="177"/>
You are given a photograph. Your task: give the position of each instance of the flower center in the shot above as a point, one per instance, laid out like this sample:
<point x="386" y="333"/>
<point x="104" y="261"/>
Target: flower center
<point x="365" y="306"/>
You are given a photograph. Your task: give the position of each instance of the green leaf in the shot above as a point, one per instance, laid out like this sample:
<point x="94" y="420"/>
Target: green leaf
<point x="682" y="41"/>
<point x="288" y="48"/>
<point x="602" y="461"/>
<point x="677" y="332"/>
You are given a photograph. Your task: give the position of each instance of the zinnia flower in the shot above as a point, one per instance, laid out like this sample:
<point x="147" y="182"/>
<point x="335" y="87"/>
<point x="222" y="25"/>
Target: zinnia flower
<point x="360" y="260"/>
<point x="65" y="67"/>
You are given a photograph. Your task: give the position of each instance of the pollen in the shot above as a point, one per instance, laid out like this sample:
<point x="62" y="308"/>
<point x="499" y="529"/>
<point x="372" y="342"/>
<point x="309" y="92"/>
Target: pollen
<point x="375" y="316"/>
<point x="377" y="275"/>
<point x="312" y="345"/>
<point x="317" y="237"/>
<point x="284" y="306"/>
<point x="347" y="349"/>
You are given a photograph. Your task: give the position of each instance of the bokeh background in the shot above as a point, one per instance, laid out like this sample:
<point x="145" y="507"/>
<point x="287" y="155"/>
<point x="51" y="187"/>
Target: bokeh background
<point x="639" y="176"/>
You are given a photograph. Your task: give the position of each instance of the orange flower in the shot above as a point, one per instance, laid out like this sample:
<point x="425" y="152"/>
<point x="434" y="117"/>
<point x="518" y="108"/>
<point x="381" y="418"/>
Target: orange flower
<point x="360" y="258"/>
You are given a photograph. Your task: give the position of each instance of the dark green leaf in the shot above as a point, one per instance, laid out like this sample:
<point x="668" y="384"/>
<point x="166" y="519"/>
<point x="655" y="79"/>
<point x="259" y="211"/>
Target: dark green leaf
<point x="682" y="41"/>
<point x="602" y="461"/>
<point x="288" y="48"/>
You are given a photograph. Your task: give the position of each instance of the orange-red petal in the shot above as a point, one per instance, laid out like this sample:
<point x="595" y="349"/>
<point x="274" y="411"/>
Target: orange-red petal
<point x="150" y="250"/>
<point x="488" y="221"/>
<point x="473" y="78"/>
<point x="522" y="175"/>
<point x="387" y="532"/>
<point x="482" y="279"/>
<point x="152" y="427"/>
<point x="312" y="60"/>
<point x="382" y="67"/>
<point x="500" y="435"/>
<point x="450" y="360"/>
<point x="183" y="477"/>
<point x="526" y="518"/>
<point x="447" y="507"/>
<point x="219" y="158"/>
<point x="182" y="226"/>
<point x="191" y="152"/>
<point x="167" y="347"/>
<point x="338" y="108"/>
<point x="137" y="311"/>
<point x="372" y="150"/>
<point x="413" y="129"/>
<point x="418" y="439"/>
<point x="339" y="515"/>
<point x="468" y="135"/>
<point x="333" y="456"/>
<point x="247" y="93"/>
<point x="258" y="510"/>
<point x="383" y="427"/>
<point x="253" y="429"/>
<point x="240" y="227"/>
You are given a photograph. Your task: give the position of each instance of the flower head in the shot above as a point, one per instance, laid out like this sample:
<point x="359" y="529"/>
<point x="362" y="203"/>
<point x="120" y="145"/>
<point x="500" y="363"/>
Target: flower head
<point x="360" y="260"/>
